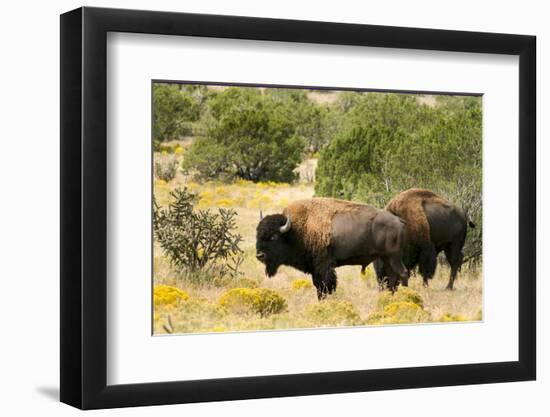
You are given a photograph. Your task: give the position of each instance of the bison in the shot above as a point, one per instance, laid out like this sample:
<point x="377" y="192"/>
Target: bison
<point x="433" y="225"/>
<point x="319" y="234"/>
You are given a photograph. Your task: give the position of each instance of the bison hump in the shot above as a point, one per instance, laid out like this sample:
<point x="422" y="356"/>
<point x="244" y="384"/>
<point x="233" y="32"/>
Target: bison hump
<point x="312" y="220"/>
<point x="409" y="205"/>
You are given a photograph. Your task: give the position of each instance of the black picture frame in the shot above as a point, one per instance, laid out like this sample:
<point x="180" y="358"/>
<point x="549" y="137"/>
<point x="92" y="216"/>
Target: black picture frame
<point x="84" y="207"/>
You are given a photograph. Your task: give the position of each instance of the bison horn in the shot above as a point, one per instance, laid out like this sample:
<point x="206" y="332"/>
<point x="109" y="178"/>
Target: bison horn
<point x="286" y="227"/>
<point x="261" y="215"/>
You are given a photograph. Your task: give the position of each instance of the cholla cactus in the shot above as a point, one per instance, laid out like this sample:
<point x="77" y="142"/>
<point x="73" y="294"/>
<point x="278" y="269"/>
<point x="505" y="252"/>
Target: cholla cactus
<point x="200" y="243"/>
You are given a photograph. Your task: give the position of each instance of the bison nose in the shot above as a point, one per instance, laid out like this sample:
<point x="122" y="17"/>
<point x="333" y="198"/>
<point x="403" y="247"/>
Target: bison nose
<point x="260" y="256"/>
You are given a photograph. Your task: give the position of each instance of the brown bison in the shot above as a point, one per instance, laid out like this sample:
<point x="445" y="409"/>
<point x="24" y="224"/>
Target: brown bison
<point x="319" y="234"/>
<point x="433" y="225"/>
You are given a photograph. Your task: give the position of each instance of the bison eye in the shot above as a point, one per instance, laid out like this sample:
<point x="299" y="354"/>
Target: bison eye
<point x="274" y="237"/>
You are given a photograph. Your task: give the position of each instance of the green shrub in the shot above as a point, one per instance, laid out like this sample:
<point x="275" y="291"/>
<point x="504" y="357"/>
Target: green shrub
<point x="350" y="163"/>
<point x="247" y="135"/>
<point x="332" y="313"/>
<point x="261" y="301"/>
<point x="175" y="108"/>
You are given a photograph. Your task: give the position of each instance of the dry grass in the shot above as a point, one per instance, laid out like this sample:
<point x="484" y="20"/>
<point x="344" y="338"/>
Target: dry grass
<point x="203" y="313"/>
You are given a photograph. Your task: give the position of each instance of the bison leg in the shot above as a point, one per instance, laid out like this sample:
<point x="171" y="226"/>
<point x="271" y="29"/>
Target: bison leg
<point x="393" y="281"/>
<point x="399" y="269"/>
<point x="380" y="273"/>
<point x="454" y="256"/>
<point x="325" y="282"/>
<point x="393" y="265"/>
<point x="427" y="262"/>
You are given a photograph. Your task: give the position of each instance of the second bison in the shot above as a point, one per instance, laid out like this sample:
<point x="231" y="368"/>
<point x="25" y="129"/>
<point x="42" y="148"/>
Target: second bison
<point x="433" y="225"/>
<point x="319" y="234"/>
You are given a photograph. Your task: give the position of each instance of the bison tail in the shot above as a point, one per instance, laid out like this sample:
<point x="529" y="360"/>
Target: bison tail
<point x="471" y="224"/>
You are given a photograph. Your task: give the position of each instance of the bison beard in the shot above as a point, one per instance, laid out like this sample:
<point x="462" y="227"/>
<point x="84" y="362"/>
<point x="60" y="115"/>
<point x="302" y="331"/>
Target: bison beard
<point x="271" y="268"/>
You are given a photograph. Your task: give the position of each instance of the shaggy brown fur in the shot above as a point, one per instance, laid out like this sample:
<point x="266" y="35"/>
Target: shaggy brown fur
<point x="325" y="233"/>
<point x="312" y="219"/>
<point x="451" y="229"/>
<point x="409" y="205"/>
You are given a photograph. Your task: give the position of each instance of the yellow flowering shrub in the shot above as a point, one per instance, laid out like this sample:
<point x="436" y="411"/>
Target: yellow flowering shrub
<point x="206" y="194"/>
<point x="399" y="307"/>
<point x="301" y="284"/>
<point x="225" y="202"/>
<point x="402" y="294"/>
<point x="269" y="301"/>
<point x="261" y="301"/>
<point x="399" y="312"/>
<point x="167" y="295"/>
<point x="222" y="191"/>
<point x="332" y="313"/>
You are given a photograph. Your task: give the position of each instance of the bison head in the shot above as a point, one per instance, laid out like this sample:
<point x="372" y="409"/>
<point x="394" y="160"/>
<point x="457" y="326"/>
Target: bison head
<point x="272" y="245"/>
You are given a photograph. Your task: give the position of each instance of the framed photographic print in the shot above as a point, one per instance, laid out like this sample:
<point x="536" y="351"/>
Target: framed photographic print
<point x="257" y="208"/>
